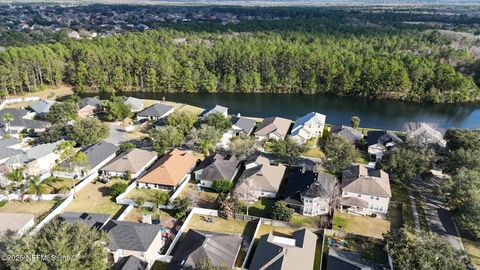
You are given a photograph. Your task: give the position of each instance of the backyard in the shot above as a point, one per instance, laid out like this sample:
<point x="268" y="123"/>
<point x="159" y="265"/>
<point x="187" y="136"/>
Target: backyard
<point x="36" y="208"/>
<point x="143" y="193"/>
<point x="262" y="208"/>
<point x="205" y="199"/>
<point x="95" y="198"/>
<point x="313" y="149"/>
<point x="275" y="230"/>
<point x="360" y="225"/>
<point x="55" y="185"/>
<point x="473" y="250"/>
<point x="166" y="218"/>
<point x="400" y="206"/>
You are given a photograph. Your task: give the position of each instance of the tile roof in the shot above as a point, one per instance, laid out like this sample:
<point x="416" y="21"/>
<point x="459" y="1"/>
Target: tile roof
<point x="198" y="246"/>
<point x="358" y="179"/>
<point x="131" y="235"/>
<point x="170" y="169"/>
<point x="281" y="253"/>
<point x="42" y="106"/>
<point x="277" y="125"/>
<point x="134" y="160"/>
<point x="156" y="110"/>
<point x="218" y="166"/>
<point x="100" y="151"/>
<point x="263" y="176"/>
<point x="92" y="220"/>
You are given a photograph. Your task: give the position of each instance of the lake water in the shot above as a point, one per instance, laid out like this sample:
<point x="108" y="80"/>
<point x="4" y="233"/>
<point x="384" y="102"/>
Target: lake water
<point x="388" y="114"/>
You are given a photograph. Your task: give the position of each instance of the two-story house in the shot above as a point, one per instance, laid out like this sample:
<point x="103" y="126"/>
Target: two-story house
<point x="365" y="191"/>
<point x="308" y="126"/>
<point x="275" y="128"/>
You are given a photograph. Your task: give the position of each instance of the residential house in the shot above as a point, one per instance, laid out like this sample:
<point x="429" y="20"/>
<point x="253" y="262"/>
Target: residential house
<point x="285" y="253"/>
<point x="365" y="191"/>
<point x="98" y="155"/>
<point x="22" y="120"/>
<point x="130" y="263"/>
<point x="348" y="133"/>
<point x="135" y="104"/>
<point x="92" y="220"/>
<point x="143" y="241"/>
<point x="88" y="107"/>
<point x="136" y="161"/>
<point x="217" y="109"/>
<point x="309" y="193"/>
<point x="42" y="107"/>
<point x="275" y="128"/>
<point x="379" y="141"/>
<point x="9" y="147"/>
<point x="260" y="179"/>
<point x="216" y="167"/>
<point x="425" y="134"/>
<point x="348" y="260"/>
<point x="15" y="222"/>
<point x="155" y="112"/>
<point x="242" y="125"/>
<point x="199" y="246"/>
<point x="308" y="126"/>
<point x="38" y="160"/>
<point x="170" y="172"/>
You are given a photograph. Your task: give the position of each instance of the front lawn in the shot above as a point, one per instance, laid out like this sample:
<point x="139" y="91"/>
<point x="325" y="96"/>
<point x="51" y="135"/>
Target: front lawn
<point x="366" y="226"/>
<point x="95" y="198"/>
<point x="36" y="208"/>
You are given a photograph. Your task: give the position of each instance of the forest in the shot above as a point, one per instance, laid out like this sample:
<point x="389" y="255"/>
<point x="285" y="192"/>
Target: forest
<point x="307" y="56"/>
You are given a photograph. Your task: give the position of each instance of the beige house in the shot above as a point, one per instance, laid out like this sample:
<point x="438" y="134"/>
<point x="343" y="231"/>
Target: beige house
<point x="275" y="128"/>
<point x="88" y="107"/>
<point x="365" y="192"/>
<point x="170" y="172"/>
<point x="143" y="241"/>
<point x="136" y="161"/>
<point x="260" y="179"/>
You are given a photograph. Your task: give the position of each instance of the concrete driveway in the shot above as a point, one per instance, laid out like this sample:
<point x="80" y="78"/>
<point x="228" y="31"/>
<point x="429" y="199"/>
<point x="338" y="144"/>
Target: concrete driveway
<point x="438" y="216"/>
<point x="117" y="134"/>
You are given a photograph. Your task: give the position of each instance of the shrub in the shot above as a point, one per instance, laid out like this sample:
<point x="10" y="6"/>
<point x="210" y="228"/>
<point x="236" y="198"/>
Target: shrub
<point x="280" y="211"/>
<point x="117" y="189"/>
<point x="222" y="186"/>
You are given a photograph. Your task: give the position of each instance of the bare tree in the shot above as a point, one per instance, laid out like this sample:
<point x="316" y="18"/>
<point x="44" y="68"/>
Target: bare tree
<point x="332" y="193"/>
<point x="194" y="196"/>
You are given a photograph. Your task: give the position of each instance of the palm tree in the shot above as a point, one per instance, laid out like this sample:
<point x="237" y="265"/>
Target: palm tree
<point x="206" y="147"/>
<point x="8" y="118"/>
<point x="36" y="186"/>
<point x="16" y="176"/>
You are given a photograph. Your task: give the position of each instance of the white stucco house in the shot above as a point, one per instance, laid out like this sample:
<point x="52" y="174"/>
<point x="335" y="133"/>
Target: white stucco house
<point x="308" y="126"/>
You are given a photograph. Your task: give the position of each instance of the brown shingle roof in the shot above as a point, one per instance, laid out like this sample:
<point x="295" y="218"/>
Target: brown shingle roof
<point x="277" y="125"/>
<point x="358" y="179"/>
<point x="133" y="160"/>
<point x="170" y="169"/>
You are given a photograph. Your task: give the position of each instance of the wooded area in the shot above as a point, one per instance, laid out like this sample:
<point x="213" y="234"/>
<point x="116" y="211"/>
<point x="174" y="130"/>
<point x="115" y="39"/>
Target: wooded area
<point x="403" y="64"/>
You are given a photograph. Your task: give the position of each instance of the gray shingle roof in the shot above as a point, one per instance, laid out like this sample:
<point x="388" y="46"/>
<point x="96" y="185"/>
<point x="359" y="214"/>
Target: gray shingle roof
<point x="317" y="189"/>
<point x="19" y="121"/>
<point x="197" y="246"/>
<point x="33" y="153"/>
<point x="131" y="235"/>
<point x="133" y="160"/>
<point x="216" y="109"/>
<point x="42" y="106"/>
<point x="100" y="151"/>
<point x="156" y="110"/>
<point x="218" y="166"/>
<point x="279" y="253"/>
<point x="90" y="219"/>
<point x="264" y="176"/>
<point x="6" y="151"/>
<point x="136" y="104"/>
<point x="89" y="101"/>
<point x="347" y="132"/>
<point x="358" y="179"/>
<point x="245" y="124"/>
<point x="130" y="263"/>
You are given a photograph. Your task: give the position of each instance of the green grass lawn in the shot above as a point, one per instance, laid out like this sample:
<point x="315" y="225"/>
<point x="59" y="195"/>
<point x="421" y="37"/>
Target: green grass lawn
<point x="313" y="149"/>
<point x="60" y="183"/>
<point x="400" y="196"/>
<point x="262" y="208"/>
<point x="94" y="198"/>
<point x="318" y="254"/>
<point x="305" y="221"/>
<point x="366" y="226"/>
<point x="144" y="193"/>
<point x="473" y="250"/>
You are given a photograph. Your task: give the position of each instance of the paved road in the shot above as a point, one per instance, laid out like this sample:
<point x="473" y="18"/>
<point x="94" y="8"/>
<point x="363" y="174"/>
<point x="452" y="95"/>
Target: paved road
<point x="438" y="216"/>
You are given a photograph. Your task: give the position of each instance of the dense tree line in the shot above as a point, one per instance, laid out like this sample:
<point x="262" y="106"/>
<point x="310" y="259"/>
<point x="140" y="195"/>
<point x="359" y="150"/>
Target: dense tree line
<point x="404" y="65"/>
